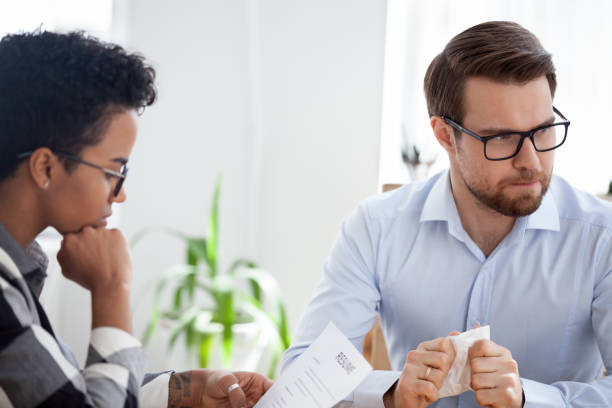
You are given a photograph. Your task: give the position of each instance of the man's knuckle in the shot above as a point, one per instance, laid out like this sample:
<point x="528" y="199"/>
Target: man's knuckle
<point x="447" y="343"/>
<point x="433" y="394"/>
<point x="479" y="396"/>
<point x="438" y="380"/>
<point x="444" y="361"/>
<point x="430" y="388"/>
<point x="421" y="387"/>
<point x="475" y="365"/>
<point x="481" y="344"/>
<point x="508" y="395"/>
<point x="513" y="366"/>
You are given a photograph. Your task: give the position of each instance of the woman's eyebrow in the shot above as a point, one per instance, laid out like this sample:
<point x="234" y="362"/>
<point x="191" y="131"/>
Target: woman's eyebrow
<point x="121" y="160"/>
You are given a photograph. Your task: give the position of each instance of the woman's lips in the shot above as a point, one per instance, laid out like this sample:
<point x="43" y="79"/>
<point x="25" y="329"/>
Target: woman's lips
<point x="103" y="222"/>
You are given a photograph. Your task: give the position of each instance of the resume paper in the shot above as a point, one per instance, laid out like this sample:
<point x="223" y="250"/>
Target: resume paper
<point x="326" y="372"/>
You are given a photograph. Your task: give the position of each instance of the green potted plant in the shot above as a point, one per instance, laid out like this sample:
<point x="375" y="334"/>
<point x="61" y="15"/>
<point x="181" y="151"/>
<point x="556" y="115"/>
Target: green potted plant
<point x="204" y="305"/>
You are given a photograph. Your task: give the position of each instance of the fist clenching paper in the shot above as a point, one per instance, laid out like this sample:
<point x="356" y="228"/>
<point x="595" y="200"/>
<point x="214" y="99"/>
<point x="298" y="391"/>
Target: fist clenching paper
<point x="458" y="379"/>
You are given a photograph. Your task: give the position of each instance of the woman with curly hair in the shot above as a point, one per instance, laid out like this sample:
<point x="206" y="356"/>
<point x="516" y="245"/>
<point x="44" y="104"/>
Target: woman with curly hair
<point x="68" y="109"/>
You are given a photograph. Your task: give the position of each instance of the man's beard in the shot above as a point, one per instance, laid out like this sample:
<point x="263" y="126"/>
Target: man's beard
<point x="498" y="201"/>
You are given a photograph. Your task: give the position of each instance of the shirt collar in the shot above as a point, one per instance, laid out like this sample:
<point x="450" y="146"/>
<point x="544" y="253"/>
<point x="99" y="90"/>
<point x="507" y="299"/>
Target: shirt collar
<point x="546" y="217"/>
<point x="31" y="262"/>
<point x="440" y="206"/>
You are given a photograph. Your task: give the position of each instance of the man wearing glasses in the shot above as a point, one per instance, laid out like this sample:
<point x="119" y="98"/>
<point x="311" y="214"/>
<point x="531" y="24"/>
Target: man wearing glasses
<point x="495" y="240"/>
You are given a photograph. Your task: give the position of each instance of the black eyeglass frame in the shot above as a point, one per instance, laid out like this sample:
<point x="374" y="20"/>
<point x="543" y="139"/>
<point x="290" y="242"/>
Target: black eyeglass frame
<point x="527" y="134"/>
<point x="119" y="175"/>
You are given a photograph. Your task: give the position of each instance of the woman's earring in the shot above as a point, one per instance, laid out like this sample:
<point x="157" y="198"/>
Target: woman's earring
<point x="46" y="184"/>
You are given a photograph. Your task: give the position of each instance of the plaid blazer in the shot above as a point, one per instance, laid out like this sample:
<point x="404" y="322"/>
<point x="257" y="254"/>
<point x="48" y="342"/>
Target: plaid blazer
<point x="36" y="367"/>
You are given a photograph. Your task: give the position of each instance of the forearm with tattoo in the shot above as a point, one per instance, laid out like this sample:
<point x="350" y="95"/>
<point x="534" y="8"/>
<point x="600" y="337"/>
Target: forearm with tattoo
<point x="179" y="392"/>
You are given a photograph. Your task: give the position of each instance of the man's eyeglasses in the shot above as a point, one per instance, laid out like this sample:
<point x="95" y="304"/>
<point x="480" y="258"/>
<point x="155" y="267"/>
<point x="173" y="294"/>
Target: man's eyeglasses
<point x="120" y="175"/>
<point x="506" y="145"/>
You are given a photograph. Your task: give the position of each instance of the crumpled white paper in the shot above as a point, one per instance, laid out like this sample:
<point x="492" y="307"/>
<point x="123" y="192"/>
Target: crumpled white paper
<point x="458" y="379"/>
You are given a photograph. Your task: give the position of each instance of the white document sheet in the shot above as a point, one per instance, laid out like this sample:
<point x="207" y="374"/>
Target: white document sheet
<point x="324" y="374"/>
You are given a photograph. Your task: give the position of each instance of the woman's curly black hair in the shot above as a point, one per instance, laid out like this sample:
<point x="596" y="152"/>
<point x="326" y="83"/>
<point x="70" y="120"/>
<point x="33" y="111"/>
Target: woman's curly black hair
<point x="60" y="90"/>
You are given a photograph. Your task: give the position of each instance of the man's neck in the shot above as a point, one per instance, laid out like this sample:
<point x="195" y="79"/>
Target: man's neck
<point x="18" y="214"/>
<point x="486" y="227"/>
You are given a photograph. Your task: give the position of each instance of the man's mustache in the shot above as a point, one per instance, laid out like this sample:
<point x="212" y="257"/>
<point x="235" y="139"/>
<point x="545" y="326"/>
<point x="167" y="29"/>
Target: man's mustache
<point x="525" y="177"/>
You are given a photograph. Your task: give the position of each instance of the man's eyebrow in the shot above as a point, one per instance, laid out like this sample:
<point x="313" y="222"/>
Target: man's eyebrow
<point x="499" y="131"/>
<point x="121" y="160"/>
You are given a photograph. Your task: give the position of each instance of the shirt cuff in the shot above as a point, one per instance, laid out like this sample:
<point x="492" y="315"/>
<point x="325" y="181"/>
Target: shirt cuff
<point x="369" y="394"/>
<point x="109" y="340"/>
<point x="154" y="394"/>
<point x="539" y="395"/>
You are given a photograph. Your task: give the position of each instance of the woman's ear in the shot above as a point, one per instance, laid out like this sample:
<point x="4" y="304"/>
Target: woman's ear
<point x="444" y="133"/>
<point x="43" y="166"/>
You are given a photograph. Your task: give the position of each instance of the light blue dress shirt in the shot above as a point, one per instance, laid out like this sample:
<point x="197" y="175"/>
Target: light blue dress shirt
<point x="546" y="290"/>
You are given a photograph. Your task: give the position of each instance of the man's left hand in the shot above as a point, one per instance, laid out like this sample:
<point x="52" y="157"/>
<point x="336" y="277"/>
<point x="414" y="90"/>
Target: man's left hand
<point x="495" y="377"/>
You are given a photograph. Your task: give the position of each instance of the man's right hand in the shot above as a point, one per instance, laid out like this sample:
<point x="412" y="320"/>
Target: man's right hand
<point x="422" y="375"/>
<point x="97" y="259"/>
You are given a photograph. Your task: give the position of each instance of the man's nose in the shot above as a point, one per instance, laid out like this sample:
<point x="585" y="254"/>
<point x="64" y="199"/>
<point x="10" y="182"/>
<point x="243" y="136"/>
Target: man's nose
<point x="527" y="157"/>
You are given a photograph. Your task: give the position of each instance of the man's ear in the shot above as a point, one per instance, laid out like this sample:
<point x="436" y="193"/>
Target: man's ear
<point x="445" y="134"/>
<point x="43" y="166"/>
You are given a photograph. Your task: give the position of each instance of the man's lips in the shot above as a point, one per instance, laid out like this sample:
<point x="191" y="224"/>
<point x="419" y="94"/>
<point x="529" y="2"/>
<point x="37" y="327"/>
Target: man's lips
<point x="524" y="184"/>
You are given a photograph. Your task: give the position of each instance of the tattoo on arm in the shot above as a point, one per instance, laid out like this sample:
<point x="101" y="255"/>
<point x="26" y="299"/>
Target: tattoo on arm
<point x="179" y="391"/>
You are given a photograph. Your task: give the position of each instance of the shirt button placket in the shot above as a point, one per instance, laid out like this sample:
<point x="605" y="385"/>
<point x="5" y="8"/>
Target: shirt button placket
<point x="478" y="310"/>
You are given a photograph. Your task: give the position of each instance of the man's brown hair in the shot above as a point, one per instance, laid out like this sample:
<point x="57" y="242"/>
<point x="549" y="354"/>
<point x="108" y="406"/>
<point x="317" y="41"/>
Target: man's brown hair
<point x="500" y="50"/>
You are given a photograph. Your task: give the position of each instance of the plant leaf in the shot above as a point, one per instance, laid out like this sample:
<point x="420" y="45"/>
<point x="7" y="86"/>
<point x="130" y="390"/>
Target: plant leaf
<point x="263" y="279"/>
<point x="274" y="363"/>
<point x="196" y="251"/>
<point x="213" y="231"/>
<point x="241" y="263"/>
<point x="175" y="272"/>
<point x="270" y="327"/>
<point x="269" y="286"/>
<point x="202" y="321"/>
<point x="183" y="324"/>
<point x="228" y="345"/>
<point x="178" y="298"/>
<point x="225" y="315"/>
<point x="255" y="289"/>
<point x="284" y="327"/>
<point x="206" y="342"/>
<point x="136" y="238"/>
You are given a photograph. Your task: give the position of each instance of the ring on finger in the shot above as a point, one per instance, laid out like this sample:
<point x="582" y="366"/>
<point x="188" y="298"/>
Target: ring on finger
<point x="427" y="372"/>
<point x="232" y="388"/>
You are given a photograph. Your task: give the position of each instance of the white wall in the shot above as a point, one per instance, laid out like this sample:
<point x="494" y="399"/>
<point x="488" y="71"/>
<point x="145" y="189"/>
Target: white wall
<point x="197" y="129"/>
<point x="284" y="98"/>
<point x="322" y="71"/>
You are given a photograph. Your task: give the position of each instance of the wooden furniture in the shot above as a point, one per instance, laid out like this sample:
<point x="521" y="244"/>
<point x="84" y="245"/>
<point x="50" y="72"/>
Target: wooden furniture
<point x="375" y="348"/>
